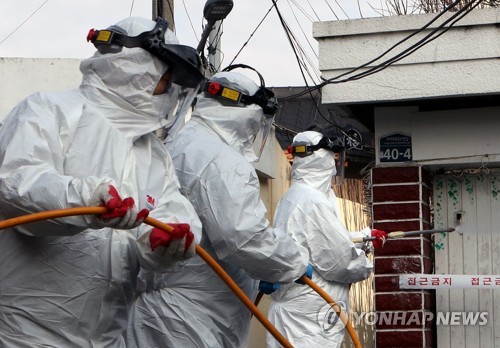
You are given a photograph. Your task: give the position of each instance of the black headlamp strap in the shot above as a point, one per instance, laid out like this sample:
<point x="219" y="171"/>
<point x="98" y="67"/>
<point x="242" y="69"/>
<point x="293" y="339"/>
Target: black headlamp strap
<point x="105" y="39"/>
<point x="244" y="66"/>
<point x="263" y="97"/>
<point x="153" y="38"/>
<point x="302" y="150"/>
<point x="306" y="150"/>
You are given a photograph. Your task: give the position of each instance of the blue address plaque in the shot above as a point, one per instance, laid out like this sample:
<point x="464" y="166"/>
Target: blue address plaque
<point x="395" y="147"/>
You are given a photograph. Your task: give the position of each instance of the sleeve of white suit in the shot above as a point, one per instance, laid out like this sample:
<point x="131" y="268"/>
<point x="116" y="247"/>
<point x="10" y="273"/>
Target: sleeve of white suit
<point x="172" y="208"/>
<point x="234" y="218"/>
<point x="32" y="146"/>
<point x="333" y="255"/>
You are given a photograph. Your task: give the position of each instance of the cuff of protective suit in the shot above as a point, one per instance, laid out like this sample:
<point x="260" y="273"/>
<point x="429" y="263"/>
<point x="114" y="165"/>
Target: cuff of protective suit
<point x="308" y="274"/>
<point x="366" y="232"/>
<point x="86" y="188"/>
<point x="302" y="265"/>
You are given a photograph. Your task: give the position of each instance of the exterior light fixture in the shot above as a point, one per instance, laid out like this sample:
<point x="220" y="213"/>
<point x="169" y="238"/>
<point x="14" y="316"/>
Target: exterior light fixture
<point x="214" y="10"/>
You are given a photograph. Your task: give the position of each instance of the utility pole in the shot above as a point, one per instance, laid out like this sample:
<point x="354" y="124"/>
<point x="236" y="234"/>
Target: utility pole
<point x="167" y="9"/>
<point x="214" y="48"/>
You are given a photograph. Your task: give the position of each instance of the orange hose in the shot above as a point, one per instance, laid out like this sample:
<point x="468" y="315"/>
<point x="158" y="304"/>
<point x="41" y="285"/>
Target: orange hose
<point x="336" y="308"/>
<point x="52" y="214"/>
<point x="332" y="303"/>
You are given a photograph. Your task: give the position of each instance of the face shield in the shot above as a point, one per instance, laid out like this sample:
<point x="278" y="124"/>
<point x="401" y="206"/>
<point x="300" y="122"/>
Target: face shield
<point x="235" y="89"/>
<point x="180" y="108"/>
<point x="261" y="136"/>
<point x="340" y="159"/>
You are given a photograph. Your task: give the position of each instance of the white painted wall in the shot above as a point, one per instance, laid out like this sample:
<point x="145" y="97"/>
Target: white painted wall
<point x="463" y="61"/>
<point x="23" y="76"/>
<point x="444" y="137"/>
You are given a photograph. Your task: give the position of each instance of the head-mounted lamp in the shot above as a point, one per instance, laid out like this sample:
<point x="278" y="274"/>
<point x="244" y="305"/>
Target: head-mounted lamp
<point x="263" y="97"/>
<point x="304" y="150"/>
<point x="184" y="61"/>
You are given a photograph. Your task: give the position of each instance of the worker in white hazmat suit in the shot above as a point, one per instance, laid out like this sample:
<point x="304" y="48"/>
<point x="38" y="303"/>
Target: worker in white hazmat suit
<point x="309" y="213"/>
<point x="193" y="307"/>
<point x="69" y="282"/>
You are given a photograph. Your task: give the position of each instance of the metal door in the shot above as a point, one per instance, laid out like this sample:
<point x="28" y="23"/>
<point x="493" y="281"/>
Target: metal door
<point x="472" y="203"/>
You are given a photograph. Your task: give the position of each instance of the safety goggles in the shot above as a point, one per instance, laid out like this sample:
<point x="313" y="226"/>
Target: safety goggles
<point x="263" y="97"/>
<point x="304" y="150"/>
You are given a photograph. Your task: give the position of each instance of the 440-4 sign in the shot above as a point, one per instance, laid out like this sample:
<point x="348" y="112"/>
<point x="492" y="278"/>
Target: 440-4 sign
<point x="395" y="147"/>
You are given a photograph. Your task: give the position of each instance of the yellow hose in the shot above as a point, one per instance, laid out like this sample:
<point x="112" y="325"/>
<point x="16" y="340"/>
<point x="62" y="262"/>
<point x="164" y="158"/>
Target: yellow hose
<point x="52" y="214"/>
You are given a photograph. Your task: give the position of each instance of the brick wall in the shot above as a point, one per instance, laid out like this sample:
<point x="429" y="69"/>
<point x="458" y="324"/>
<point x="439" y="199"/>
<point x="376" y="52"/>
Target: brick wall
<point x="401" y="203"/>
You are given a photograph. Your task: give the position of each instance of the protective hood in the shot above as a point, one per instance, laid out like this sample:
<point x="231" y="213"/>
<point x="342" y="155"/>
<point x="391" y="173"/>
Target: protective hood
<point x="317" y="169"/>
<point x="124" y="83"/>
<point x="237" y="126"/>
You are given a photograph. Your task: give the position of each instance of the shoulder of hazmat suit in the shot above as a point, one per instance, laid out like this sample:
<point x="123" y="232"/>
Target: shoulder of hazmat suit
<point x="63" y="284"/>
<point x="211" y="155"/>
<point x="308" y="211"/>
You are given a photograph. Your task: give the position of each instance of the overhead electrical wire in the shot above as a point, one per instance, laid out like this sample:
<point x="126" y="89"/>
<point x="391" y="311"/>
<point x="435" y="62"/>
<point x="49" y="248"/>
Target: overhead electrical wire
<point x="341" y="8"/>
<point x="312" y="9"/>
<point x="293" y="42"/>
<point x="402" y="54"/>
<point x="304" y="12"/>
<point x="289" y="34"/>
<point x="296" y="47"/>
<point x="251" y="35"/>
<point x="428" y="38"/>
<point x="131" y="7"/>
<point x="20" y="25"/>
<point x="301" y="29"/>
<point x="331" y="9"/>
<point x="189" y="19"/>
<point x="419" y="43"/>
<point x="302" y="58"/>
<point x="302" y="66"/>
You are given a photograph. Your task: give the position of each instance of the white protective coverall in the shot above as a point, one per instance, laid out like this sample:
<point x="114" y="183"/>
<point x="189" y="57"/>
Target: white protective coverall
<point x="61" y="283"/>
<point x="310" y="214"/>
<point x="196" y="308"/>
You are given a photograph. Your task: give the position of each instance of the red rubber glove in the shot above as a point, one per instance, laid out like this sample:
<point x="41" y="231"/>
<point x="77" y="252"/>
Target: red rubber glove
<point x="122" y="213"/>
<point x="178" y="244"/>
<point x="381" y="237"/>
